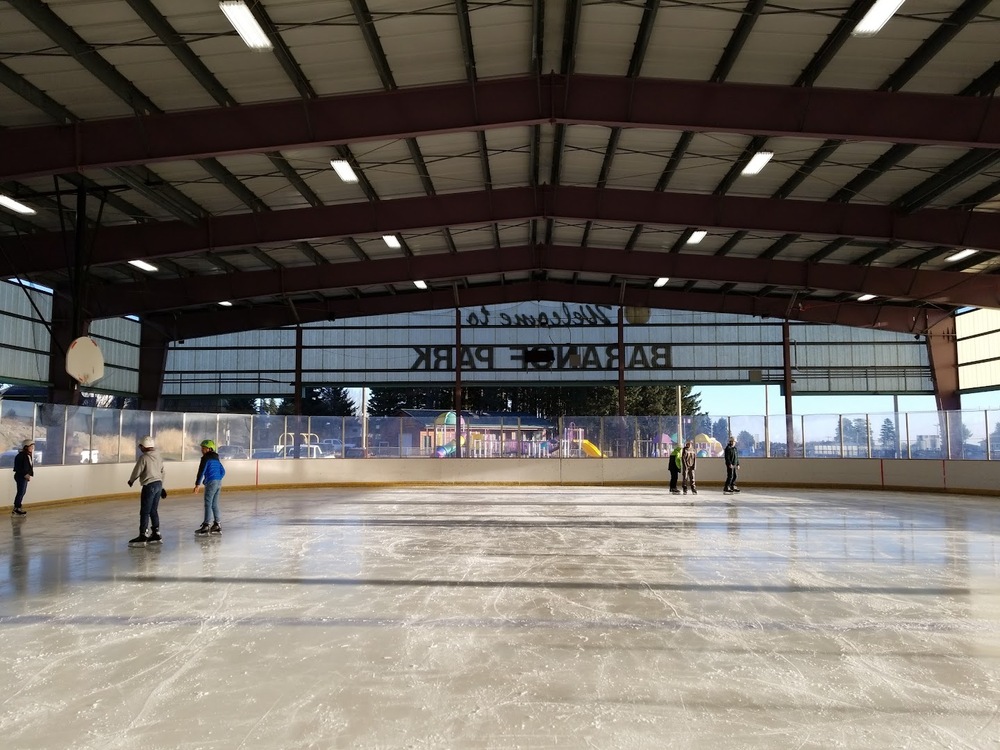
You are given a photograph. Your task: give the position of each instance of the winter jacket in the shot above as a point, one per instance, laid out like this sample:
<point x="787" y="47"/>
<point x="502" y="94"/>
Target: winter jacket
<point x="688" y="458"/>
<point x="210" y="469"/>
<point x="732" y="456"/>
<point x="148" y="468"/>
<point x="22" y="465"/>
<point x="675" y="459"/>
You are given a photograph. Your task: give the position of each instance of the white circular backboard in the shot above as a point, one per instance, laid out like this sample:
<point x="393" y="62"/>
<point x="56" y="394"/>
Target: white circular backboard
<point x="84" y="361"/>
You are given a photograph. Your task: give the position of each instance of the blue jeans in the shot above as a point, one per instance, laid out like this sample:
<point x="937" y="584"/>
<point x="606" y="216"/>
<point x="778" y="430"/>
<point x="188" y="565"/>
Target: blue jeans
<point x="212" y="491"/>
<point x="149" y="503"/>
<point x="22" y="487"/>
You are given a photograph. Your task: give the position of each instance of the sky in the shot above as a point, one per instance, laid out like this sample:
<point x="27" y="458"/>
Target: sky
<point x="749" y="400"/>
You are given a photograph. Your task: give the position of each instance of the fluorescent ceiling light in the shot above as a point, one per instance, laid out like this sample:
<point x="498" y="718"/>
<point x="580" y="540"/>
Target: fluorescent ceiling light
<point x="960" y="255"/>
<point x="757" y="162"/>
<point x="343" y="169"/>
<point x="143" y="265"/>
<point x="246" y="25"/>
<point x="662" y="281"/>
<point x="420" y="284"/>
<point x="226" y="303"/>
<point x="866" y="297"/>
<point x="876" y="18"/>
<point x="697" y="237"/>
<point x="13" y="205"/>
<point x="392" y="241"/>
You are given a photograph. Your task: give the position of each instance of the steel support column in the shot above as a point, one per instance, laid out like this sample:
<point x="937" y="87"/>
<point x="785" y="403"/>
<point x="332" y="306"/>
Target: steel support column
<point x="152" y="363"/>
<point x="942" y="352"/>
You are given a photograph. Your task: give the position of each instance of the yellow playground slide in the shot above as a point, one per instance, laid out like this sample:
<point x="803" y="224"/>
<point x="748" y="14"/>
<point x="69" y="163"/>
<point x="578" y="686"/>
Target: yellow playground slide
<point x="590" y="449"/>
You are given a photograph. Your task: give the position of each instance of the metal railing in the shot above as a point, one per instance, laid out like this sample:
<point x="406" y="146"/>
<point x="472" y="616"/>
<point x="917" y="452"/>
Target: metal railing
<point x="69" y="434"/>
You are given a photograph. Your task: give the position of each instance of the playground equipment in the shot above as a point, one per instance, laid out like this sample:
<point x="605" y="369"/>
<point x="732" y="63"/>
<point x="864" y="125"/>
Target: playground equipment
<point x="447" y="450"/>
<point x="575" y="443"/>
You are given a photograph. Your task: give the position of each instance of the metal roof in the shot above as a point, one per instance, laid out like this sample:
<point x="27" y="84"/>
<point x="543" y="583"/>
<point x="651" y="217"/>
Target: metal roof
<point x="518" y="149"/>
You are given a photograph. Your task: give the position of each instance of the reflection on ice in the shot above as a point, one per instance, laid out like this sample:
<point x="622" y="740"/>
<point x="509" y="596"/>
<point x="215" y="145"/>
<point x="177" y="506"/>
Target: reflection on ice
<point x="507" y="618"/>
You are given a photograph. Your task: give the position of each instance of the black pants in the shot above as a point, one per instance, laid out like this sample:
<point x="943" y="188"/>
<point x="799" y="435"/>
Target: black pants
<point x="673" y="478"/>
<point x="149" y="503"/>
<point x="731" y="472"/>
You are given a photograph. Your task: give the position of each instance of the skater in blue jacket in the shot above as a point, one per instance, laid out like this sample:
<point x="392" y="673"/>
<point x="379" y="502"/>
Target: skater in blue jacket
<point x="210" y="473"/>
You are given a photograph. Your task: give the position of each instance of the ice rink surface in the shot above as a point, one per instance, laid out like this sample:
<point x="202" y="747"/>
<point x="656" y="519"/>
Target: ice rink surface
<point x="535" y="617"/>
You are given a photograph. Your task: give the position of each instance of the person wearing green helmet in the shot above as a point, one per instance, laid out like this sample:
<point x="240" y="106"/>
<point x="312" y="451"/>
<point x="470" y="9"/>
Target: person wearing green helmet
<point x="210" y="474"/>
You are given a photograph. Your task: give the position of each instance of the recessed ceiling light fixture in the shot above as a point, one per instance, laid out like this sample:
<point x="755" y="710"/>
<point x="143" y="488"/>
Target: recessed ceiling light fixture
<point x="392" y="241"/>
<point x="246" y="25"/>
<point x="16" y="206"/>
<point x="662" y="281"/>
<point x="876" y="18"/>
<point x="343" y="169"/>
<point x="866" y="297"/>
<point x="757" y="162"/>
<point x="143" y="265"/>
<point x="697" y="237"/>
<point x="226" y="303"/>
<point x="420" y="284"/>
<point x="960" y="255"/>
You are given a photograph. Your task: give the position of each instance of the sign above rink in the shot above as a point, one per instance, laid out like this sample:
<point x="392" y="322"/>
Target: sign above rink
<point x="527" y="341"/>
<point x="547" y="343"/>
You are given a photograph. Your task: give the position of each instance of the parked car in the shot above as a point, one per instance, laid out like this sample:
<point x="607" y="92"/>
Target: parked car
<point x="303" y="451"/>
<point x="265" y="453"/>
<point x="335" y="446"/>
<point x="232" y="451"/>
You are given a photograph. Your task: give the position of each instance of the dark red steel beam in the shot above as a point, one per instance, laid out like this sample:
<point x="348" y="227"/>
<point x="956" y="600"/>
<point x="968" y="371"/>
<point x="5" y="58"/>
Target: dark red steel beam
<point x="950" y="227"/>
<point x="881" y="317"/>
<point x="611" y="101"/>
<point x="935" y="287"/>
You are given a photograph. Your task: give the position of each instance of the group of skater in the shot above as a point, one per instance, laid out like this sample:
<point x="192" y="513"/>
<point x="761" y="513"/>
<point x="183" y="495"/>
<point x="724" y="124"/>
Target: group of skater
<point x="683" y="461"/>
<point x="150" y="473"/>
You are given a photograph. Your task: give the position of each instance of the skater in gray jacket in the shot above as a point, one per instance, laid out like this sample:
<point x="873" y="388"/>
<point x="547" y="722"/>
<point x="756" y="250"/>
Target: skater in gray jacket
<point x="149" y="471"/>
<point x="688" y="460"/>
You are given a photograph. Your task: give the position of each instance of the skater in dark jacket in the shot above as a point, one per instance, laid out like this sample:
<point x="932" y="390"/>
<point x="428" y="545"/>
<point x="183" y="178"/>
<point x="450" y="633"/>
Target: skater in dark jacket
<point x="732" y="457"/>
<point x="23" y="472"/>
<point x="675" y="469"/>
<point x="210" y="473"/>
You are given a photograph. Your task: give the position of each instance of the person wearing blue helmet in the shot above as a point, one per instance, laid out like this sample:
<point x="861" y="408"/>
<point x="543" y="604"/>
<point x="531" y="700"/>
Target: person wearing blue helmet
<point x="210" y="474"/>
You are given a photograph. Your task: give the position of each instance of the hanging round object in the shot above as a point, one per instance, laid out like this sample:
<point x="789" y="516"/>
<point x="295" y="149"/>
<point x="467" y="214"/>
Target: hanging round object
<point x="84" y="361"/>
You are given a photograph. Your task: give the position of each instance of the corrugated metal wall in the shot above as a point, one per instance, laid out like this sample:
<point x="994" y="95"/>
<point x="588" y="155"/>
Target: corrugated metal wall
<point x="26" y="342"/>
<point x="24" y="337"/>
<point x="978" y="333"/>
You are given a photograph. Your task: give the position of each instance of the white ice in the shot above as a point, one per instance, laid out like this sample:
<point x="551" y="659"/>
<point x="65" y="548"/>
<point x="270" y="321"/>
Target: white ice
<point x="535" y="617"/>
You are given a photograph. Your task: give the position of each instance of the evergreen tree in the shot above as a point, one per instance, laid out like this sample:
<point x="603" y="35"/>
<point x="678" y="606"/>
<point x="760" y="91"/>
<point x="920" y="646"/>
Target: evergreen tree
<point x="322" y="401"/>
<point x="745" y="442"/>
<point x="720" y="430"/>
<point x="542" y="401"/>
<point x="887" y="437"/>
<point x="386" y="402"/>
<point x="240" y="405"/>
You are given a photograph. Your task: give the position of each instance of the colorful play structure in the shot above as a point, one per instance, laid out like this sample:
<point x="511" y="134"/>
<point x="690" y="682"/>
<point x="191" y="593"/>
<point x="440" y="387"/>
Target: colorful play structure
<point x="499" y="437"/>
<point x="486" y="442"/>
